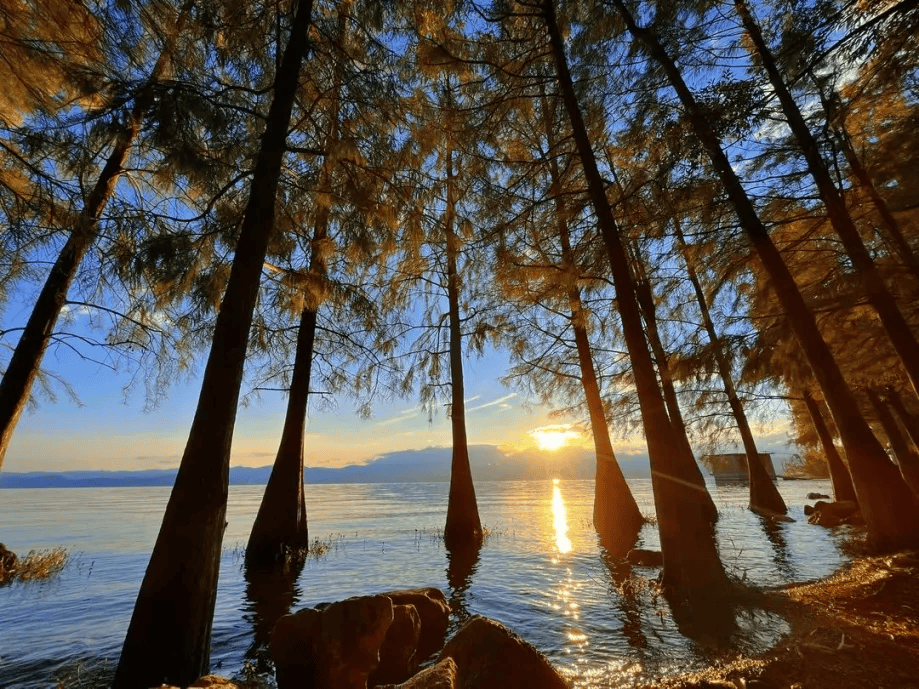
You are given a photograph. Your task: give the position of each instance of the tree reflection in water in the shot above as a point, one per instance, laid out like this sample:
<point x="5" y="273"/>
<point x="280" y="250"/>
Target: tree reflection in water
<point x="774" y="532"/>
<point x="628" y="597"/>
<point x="462" y="564"/>
<point x="271" y="592"/>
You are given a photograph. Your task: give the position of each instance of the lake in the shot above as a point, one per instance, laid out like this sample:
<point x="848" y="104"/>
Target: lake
<point x="540" y="572"/>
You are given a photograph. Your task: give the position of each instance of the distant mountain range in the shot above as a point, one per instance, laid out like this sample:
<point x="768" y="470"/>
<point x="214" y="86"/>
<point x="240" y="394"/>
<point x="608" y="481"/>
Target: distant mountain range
<point x="407" y="466"/>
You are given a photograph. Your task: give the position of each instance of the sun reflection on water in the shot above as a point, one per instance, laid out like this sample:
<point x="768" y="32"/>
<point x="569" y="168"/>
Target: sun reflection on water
<point x="560" y="520"/>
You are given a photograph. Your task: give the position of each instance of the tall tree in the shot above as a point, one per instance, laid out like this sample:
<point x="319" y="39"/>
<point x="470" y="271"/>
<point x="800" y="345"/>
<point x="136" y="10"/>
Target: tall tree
<point x="764" y="496"/>
<point x="889" y="507"/>
<point x="691" y="563"/>
<point x="26" y="360"/>
<point x="896" y="326"/>
<point x="168" y="639"/>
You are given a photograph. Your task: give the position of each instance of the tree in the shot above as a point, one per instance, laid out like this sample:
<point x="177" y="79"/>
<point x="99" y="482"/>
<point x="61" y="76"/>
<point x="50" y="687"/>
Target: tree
<point x="691" y="563"/>
<point x="24" y="364"/>
<point x="889" y="507"/>
<point x="839" y="473"/>
<point x="896" y="326"/>
<point x="169" y="635"/>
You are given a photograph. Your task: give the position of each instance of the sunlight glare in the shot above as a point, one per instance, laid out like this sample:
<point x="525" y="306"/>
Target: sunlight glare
<point x="560" y="519"/>
<point x="553" y="438"/>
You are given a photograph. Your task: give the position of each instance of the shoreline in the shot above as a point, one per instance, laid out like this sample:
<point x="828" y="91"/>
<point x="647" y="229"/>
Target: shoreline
<point x="858" y="627"/>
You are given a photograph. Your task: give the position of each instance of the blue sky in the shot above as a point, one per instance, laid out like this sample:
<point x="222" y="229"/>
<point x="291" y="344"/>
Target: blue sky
<point x="108" y="433"/>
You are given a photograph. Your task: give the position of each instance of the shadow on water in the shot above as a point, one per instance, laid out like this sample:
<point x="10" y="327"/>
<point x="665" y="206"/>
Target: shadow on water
<point x="775" y="534"/>
<point x="462" y="564"/>
<point x="628" y="589"/>
<point x="271" y="592"/>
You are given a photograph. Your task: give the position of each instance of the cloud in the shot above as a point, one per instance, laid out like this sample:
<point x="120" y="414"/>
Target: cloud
<point x="400" y="416"/>
<point x="494" y="403"/>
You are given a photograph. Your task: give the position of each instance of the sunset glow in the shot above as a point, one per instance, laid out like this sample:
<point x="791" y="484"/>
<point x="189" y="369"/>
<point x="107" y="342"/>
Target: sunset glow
<point x="553" y="437"/>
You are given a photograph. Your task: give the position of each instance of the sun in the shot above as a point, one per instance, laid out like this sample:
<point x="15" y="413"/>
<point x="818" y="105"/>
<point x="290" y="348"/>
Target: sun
<point x="553" y="438"/>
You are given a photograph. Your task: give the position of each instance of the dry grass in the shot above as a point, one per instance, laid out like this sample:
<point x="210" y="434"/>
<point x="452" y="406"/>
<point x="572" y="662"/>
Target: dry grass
<point x="36" y="565"/>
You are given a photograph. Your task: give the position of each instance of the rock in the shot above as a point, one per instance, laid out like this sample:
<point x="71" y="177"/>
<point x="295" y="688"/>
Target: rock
<point x="398" y="654"/>
<point x="338" y="646"/>
<point x="832" y="514"/>
<point x="443" y="675"/>
<point x="645" y="558"/>
<point x="490" y="656"/>
<point x="808" y="510"/>
<point x="434" y="612"/>
<point x="817" y="496"/>
<point x="8" y="561"/>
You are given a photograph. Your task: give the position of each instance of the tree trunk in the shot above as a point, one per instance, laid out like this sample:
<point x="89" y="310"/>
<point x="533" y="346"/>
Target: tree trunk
<point x="463" y="528"/>
<point x="908" y="420"/>
<point x="907" y="459"/>
<point x="168" y="640"/>
<point x="839" y="472"/>
<point x="890" y="509"/>
<point x="764" y="495"/>
<point x="616" y="515"/>
<point x="645" y="300"/>
<point x="898" y="330"/>
<point x="691" y="563"/>
<point x="280" y="529"/>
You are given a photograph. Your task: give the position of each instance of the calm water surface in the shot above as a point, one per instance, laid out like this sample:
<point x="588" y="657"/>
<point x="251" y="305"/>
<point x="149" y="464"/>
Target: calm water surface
<point x="540" y="572"/>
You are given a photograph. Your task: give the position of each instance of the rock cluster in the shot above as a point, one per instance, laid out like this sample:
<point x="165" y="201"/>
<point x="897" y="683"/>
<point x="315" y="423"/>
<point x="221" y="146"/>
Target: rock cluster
<point x="381" y="641"/>
<point x="833" y="513"/>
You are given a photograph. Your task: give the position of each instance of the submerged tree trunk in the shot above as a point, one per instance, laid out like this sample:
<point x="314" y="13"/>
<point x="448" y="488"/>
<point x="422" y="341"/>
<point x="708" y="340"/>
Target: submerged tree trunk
<point x="895" y="325"/>
<point x="280" y="528"/>
<point x="903" y="450"/>
<point x="616" y="515"/>
<point x="23" y="368"/>
<point x="890" y="509"/>
<point x="168" y="640"/>
<point x="839" y="472"/>
<point x="463" y="528"/>
<point x="692" y="567"/>
<point x="764" y="495"/>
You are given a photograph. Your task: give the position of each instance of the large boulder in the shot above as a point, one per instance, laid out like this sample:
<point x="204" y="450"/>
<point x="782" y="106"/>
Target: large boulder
<point x="398" y="654"/>
<point x="337" y="646"/>
<point x="434" y="611"/>
<point x="443" y="675"/>
<point x="490" y="656"/>
<point x="834" y="513"/>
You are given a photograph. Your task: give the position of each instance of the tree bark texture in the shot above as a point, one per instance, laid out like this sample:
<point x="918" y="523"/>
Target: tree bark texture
<point x="895" y="325"/>
<point x="168" y="640"/>
<point x="890" y="509"/>
<point x="463" y="528"/>
<point x="764" y="495"/>
<point x="692" y="567"/>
